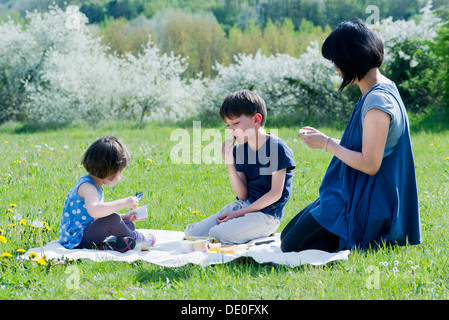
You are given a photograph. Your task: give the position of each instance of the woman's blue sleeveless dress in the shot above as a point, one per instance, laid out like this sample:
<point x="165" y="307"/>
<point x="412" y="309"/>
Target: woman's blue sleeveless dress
<point x="363" y="209"/>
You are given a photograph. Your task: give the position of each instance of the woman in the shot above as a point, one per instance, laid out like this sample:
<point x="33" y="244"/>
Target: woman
<point x="368" y="194"/>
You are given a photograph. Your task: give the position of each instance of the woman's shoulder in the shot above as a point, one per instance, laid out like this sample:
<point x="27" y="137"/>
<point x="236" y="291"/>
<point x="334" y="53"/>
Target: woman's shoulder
<point x="381" y="97"/>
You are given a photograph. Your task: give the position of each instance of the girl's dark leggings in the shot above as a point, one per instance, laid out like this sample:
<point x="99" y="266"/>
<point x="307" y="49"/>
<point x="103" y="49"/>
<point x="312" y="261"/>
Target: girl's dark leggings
<point x="307" y="233"/>
<point x="101" y="228"/>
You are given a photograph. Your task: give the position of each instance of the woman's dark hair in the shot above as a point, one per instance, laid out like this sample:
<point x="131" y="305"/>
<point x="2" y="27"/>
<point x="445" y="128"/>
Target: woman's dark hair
<point x="105" y="157"/>
<point x="243" y="102"/>
<point x="355" y="49"/>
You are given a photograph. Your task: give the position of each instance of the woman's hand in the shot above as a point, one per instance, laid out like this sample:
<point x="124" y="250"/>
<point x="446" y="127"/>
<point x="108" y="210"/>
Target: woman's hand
<point x="313" y="138"/>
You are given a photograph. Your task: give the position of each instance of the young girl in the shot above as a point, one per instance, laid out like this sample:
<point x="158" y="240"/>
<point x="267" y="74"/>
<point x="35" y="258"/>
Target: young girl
<point x="87" y="221"/>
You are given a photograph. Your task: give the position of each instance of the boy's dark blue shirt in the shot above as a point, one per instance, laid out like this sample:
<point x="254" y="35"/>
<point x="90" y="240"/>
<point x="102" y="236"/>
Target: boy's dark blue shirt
<point x="258" y="166"/>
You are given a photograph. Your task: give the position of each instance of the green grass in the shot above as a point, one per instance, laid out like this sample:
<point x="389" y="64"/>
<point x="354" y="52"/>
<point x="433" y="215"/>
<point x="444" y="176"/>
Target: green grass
<point x="37" y="180"/>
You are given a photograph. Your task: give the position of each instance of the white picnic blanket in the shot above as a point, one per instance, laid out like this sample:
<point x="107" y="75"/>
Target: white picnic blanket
<point x="167" y="252"/>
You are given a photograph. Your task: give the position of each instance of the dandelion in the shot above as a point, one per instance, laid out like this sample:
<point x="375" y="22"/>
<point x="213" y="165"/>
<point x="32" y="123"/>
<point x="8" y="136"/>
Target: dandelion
<point x="47" y="227"/>
<point x="447" y="158"/>
<point x="21" y="250"/>
<point x="2" y="239"/>
<point x="195" y="211"/>
<point x="41" y="262"/>
<point x="22" y="222"/>
<point x="395" y="270"/>
<point x="9" y="210"/>
<point x="13" y="205"/>
<point x="33" y="255"/>
<point x="17" y="216"/>
<point x="6" y="255"/>
<point x="38" y="224"/>
<point x="383" y="263"/>
<point x="149" y="160"/>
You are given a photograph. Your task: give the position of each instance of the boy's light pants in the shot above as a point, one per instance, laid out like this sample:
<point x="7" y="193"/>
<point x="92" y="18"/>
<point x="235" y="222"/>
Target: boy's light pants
<point x="251" y="226"/>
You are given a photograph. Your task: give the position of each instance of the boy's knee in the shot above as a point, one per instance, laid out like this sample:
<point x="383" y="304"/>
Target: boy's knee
<point x="223" y="235"/>
<point x="188" y="231"/>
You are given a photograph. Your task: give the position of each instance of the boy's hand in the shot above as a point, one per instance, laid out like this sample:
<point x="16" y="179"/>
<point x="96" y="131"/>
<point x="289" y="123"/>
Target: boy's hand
<point x="229" y="216"/>
<point x="226" y="151"/>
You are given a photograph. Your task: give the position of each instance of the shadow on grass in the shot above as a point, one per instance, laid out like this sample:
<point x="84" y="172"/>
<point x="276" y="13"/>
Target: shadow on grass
<point x="433" y="120"/>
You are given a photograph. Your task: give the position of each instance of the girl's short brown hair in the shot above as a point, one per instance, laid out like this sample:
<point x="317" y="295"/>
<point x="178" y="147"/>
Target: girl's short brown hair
<point x="106" y="157"/>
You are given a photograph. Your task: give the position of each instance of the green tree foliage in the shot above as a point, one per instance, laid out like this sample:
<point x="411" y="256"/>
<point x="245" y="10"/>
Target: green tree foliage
<point x="440" y="48"/>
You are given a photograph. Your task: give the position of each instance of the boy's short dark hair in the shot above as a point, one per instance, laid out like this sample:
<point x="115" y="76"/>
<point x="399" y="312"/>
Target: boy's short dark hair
<point x="355" y="49"/>
<point x="243" y="102"/>
<point x="105" y="157"/>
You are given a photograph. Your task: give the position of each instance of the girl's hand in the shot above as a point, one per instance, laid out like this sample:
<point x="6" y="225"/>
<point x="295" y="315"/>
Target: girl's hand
<point x="131" y="216"/>
<point x="313" y="138"/>
<point x="226" y="151"/>
<point x="131" y="203"/>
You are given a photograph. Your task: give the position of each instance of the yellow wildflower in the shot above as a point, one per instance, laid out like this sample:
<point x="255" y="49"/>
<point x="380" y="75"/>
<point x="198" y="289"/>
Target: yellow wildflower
<point x="22" y="222"/>
<point x="149" y="159"/>
<point x="2" y="239"/>
<point x="21" y="250"/>
<point x="41" y="262"/>
<point x="13" y="205"/>
<point x="6" y="255"/>
<point x="447" y="158"/>
<point x="195" y="211"/>
<point x="33" y="255"/>
<point x="9" y="210"/>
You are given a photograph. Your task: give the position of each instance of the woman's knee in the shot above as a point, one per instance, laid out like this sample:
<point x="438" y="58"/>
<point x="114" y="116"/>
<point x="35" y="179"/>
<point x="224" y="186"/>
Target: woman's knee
<point x="288" y="245"/>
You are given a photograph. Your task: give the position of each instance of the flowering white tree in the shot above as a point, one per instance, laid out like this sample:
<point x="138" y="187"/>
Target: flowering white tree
<point x="395" y="33"/>
<point x="76" y="78"/>
<point x="54" y="70"/>
<point x="302" y="85"/>
<point x="152" y="86"/>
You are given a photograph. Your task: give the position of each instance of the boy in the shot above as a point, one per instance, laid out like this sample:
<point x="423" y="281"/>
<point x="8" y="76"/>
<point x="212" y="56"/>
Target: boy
<point x="260" y="169"/>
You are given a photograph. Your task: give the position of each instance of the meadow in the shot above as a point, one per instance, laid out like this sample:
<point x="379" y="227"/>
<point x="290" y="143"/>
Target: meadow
<point x="39" y="167"/>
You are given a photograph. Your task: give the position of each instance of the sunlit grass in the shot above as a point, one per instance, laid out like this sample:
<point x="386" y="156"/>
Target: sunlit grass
<point x="39" y="168"/>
